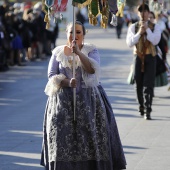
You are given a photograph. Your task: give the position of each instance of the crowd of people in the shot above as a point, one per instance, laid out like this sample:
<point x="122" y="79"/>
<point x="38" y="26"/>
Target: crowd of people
<point x="24" y="37"/>
<point x="23" y="34"/>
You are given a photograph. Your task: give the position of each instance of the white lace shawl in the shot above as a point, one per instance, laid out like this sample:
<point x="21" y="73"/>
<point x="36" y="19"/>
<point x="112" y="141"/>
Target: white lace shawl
<point x="90" y="79"/>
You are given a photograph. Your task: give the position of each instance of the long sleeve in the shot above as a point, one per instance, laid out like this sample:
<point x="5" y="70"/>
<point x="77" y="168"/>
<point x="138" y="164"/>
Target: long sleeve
<point x="94" y="58"/>
<point x="155" y="36"/>
<point x="53" y="66"/>
<point x="132" y="38"/>
<point x="94" y="55"/>
<point x="54" y="77"/>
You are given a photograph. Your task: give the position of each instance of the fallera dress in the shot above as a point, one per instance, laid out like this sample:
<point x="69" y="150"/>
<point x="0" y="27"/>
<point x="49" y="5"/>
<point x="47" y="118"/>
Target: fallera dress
<point x="91" y="142"/>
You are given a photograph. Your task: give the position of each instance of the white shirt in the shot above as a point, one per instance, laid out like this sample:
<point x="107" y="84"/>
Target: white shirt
<point x="161" y="25"/>
<point x="132" y="38"/>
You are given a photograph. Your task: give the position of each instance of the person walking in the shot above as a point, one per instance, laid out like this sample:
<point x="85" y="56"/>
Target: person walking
<point x="91" y="141"/>
<point x="144" y="36"/>
<point x="161" y="78"/>
<point x="120" y="22"/>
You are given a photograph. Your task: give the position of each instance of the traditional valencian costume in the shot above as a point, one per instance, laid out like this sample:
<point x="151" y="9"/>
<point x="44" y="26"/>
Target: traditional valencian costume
<point x="144" y="61"/>
<point x="92" y="142"/>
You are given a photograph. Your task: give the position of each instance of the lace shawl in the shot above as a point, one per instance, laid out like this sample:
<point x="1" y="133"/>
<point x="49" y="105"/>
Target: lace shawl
<point x="90" y="80"/>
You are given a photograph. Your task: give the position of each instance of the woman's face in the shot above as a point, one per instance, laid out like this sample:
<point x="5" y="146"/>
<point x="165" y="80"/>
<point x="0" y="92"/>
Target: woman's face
<point x="151" y="18"/>
<point x="79" y="37"/>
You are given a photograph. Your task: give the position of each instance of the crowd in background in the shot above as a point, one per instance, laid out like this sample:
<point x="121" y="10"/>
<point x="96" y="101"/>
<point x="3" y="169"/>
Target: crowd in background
<point x="23" y="35"/>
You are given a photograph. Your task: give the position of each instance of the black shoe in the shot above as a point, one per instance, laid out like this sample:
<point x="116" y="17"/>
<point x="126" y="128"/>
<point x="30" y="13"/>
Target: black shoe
<point x="142" y="110"/>
<point x="142" y="113"/>
<point x="147" y="116"/>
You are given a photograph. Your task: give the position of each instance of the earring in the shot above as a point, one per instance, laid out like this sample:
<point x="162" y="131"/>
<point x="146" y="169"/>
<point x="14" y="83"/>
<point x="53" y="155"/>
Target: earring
<point x="82" y="42"/>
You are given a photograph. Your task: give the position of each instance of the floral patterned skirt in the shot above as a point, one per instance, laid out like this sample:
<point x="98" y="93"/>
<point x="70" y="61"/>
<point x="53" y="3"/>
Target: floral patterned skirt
<point x="91" y="142"/>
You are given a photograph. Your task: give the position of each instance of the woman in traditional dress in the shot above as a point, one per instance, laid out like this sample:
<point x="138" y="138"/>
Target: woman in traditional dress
<point x="161" y="75"/>
<point x="91" y="141"/>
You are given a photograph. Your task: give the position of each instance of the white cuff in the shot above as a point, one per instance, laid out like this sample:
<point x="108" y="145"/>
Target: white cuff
<point x="53" y="84"/>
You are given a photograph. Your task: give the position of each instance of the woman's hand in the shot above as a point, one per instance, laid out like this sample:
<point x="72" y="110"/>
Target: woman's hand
<point x="69" y="83"/>
<point x="75" y="48"/>
<point x="83" y="58"/>
<point x="73" y="83"/>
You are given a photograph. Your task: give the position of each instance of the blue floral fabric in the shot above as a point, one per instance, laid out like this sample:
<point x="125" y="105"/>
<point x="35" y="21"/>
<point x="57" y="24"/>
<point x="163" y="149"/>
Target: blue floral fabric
<point x="92" y="141"/>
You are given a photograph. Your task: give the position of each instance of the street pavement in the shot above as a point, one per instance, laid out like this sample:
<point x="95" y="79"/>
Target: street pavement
<point x="22" y="102"/>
